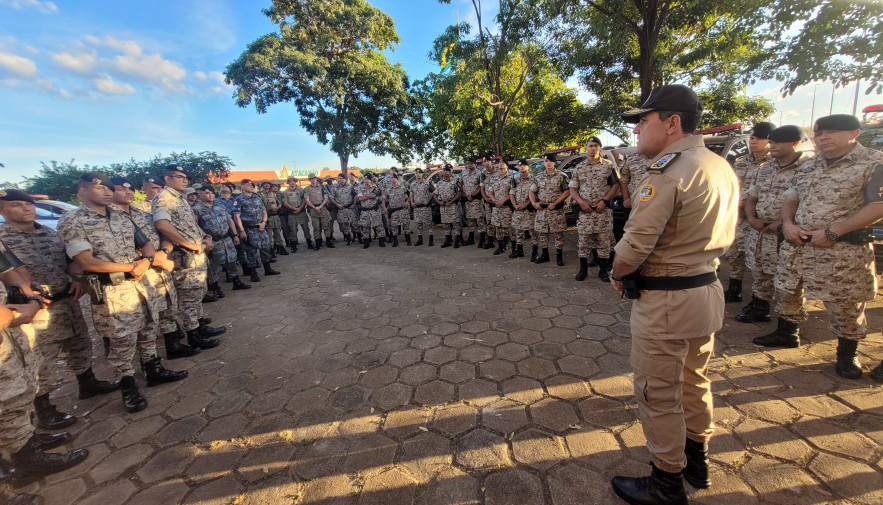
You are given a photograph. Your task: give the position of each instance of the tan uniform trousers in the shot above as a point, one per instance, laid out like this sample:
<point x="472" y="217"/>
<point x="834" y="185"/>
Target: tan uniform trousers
<point x="674" y="395"/>
<point x="300" y="220"/>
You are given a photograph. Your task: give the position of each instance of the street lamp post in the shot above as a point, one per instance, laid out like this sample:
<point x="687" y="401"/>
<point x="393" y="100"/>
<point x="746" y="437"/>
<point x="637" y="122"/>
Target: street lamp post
<point x="812" y="113"/>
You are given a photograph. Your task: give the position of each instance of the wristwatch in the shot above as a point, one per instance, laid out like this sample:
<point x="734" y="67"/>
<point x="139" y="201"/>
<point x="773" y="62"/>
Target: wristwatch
<point x="166" y="250"/>
<point x="146" y="257"/>
<point x="830" y="235"/>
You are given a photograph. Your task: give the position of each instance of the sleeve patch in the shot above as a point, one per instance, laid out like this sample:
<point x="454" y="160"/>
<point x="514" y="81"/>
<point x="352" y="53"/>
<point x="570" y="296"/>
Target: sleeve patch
<point x="647" y="192"/>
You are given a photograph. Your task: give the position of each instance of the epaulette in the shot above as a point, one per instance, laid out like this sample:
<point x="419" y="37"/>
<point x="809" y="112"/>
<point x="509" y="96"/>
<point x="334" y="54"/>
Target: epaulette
<point x="661" y="164"/>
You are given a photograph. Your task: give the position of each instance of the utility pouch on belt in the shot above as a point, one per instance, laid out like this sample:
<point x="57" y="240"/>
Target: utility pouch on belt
<point x="186" y="257"/>
<point x="95" y="284"/>
<point x="630" y="288"/>
<point x="15" y="296"/>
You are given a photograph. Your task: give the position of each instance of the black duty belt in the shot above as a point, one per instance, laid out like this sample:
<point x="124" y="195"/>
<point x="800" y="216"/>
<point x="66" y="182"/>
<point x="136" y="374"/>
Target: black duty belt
<point x="395" y="209"/>
<point x="271" y="214"/>
<point x="676" y="283"/>
<point x="60" y="295"/>
<point x="418" y="206"/>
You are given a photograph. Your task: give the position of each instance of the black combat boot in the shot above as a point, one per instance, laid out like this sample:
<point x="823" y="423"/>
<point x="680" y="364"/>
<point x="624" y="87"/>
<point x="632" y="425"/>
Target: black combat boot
<point x="431" y="241"/>
<point x="209" y="297"/>
<point x="520" y="251"/>
<point x="175" y="349"/>
<point x="272" y="252"/>
<point x="268" y="270"/>
<point x="734" y="292"/>
<point x="49" y="441"/>
<point x="91" y="386"/>
<point x="602" y="270"/>
<point x="583" y="269"/>
<point x="470" y="239"/>
<point x="759" y="312"/>
<point x="209" y="331"/>
<point x="318" y="244"/>
<point x="533" y="254"/>
<point x="227" y="277"/>
<point x="407" y="238"/>
<point x="696" y="472"/>
<point x="253" y="277"/>
<point x="395" y="240"/>
<point x="282" y="250"/>
<point x="877" y="373"/>
<point x="238" y="284"/>
<point x="489" y="243"/>
<point x="515" y="248"/>
<point x="659" y="488"/>
<point x="544" y="258"/>
<point x="10" y="498"/>
<point x="481" y="239"/>
<point x="31" y="463"/>
<point x="559" y="257"/>
<point x="156" y="374"/>
<point x="419" y="240"/>
<point x="132" y="399"/>
<point x="594" y="262"/>
<point x="47" y="417"/>
<point x="501" y="244"/>
<point x="447" y="242"/>
<point x="195" y="340"/>
<point x="787" y="334"/>
<point x="381" y="241"/>
<point x="106" y="342"/>
<point x="330" y="242"/>
<point x="349" y="238"/>
<point x="366" y="243"/>
<point x="457" y="240"/>
<point x="215" y="290"/>
<point x="292" y="243"/>
<point x="847" y="365"/>
<point x="309" y="243"/>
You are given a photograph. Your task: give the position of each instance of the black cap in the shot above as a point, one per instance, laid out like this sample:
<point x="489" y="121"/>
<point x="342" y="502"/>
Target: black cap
<point x="448" y="167"/>
<point x="418" y="170"/>
<point x="176" y="168"/>
<point x="155" y="180"/>
<point x="837" y="123"/>
<point x="15" y="195"/>
<point x="787" y="133"/>
<point x="523" y="161"/>
<point x="97" y="178"/>
<point x="206" y="187"/>
<point x="762" y="130"/>
<point x="551" y="157"/>
<point x="673" y="97"/>
<point x="121" y="181"/>
<point x="595" y="140"/>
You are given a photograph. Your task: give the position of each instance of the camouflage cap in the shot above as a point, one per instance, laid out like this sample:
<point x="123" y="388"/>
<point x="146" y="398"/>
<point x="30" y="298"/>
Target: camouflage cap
<point x="311" y="176"/>
<point x="15" y="195"/>
<point x="189" y="191"/>
<point x="97" y="178"/>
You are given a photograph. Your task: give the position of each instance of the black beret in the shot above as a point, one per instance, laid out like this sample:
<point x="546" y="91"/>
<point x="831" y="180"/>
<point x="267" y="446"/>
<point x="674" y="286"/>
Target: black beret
<point x="762" y="130"/>
<point x="121" y="181"/>
<point x="595" y="140"/>
<point x="551" y="157"/>
<point x="155" y="180"/>
<point x="837" y="123"/>
<point x="418" y="170"/>
<point x="176" y="168"/>
<point x="206" y="187"/>
<point x="97" y="178"/>
<point x="523" y="161"/>
<point x="668" y="97"/>
<point x="15" y="195"/>
<point x="787" y="133"/>
<point x="448" y="167"/>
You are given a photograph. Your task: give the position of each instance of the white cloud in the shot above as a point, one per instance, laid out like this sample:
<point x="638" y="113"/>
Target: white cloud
<point x="18" y="65"/>
<point x="51" y="88"/>
<point x="44" y="7"/>
<point x="81" y="63"/>
<point x="148" y="67"/>
<point x="106" y="84"/>
<point x="199" y="74"/>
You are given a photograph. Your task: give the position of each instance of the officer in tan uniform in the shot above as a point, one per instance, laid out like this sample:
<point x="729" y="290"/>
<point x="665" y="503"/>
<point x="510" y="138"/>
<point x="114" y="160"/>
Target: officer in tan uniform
<point x="60" y="330"/>
<point x="684" y="219"/>
<point x="522" y="215"/>
<point x="746" y="168"/>
<point x="829" y="255"/>
<point x="294" y="200"/>
<point x="763" y="212"/>
<point x="316" y="197"/>
<point x="547" y="195"/>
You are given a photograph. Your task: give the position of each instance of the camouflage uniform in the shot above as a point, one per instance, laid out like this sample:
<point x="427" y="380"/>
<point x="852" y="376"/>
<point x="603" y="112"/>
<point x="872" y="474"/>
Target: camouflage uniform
<point x="125" y="317"/>
<point x="450" y="216"/>
<point x="251" y="213"/>
<point x="332" y="209"/>
<point x="487" y="208"/>
<point x="395" y="205"/>
<point x="295" y="198"/>
<point x="189" y="280"/>
<point x="746" y="168"/>
<point x="18" y="385"/>
<point x="370" y="217"/>
<point x="143" y="206"/>
<point x="470" y="181"/>
<point x="843" y="275"/>
<point x="633" y="170"/>
<point x="523" y="220"/>
<point x="422" y="193"/>
<point x="762" y="250"/>
<point x="548" y="189"/>
<point x="346" y="217"/>
<point x="214" y="221"/>
<point x="60" y="329"/>
<point x="321" y="220"/>
<point x="498" y="187"/>
<point x="274" y="223"/>
<point x="595" y="229"/>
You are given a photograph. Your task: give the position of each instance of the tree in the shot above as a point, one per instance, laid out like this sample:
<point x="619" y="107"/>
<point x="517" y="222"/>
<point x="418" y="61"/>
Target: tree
<point x="727" y="104"/>
<point x="839" y="40"/>
<point x="327" y="59"/>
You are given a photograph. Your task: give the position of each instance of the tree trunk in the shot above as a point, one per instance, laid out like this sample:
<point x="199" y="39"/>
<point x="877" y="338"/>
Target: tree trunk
<point x="344" y="162"/>
<point x="647" y="67"/>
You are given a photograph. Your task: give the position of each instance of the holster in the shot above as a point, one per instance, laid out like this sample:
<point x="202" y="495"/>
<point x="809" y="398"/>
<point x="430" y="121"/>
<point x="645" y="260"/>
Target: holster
<point x="186" y="256"/>
<point x="15" y="296"/>
<point x="630" y="286"/>
<point x="862" y="236"/>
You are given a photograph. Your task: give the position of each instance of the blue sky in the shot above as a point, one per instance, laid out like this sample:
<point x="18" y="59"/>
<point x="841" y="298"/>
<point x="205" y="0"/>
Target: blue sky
<point x="104" y="81"/>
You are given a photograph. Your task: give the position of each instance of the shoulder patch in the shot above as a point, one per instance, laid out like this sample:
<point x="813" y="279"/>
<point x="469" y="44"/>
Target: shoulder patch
<point x="647" y="192"/>
<point x="664" y="161"/>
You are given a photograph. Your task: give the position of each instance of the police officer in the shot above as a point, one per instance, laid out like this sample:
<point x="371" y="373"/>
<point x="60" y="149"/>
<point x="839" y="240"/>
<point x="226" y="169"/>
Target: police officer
<point x="60" y="329"/>
<point x="342" y="199"/>
<point x="317" y="201"/>
<point x="498" y="188"/>
<point x="746" y="168"/>
<point x="547" y="195"/>
<point x="394" y="206"/>
<point x="421" y="193"/>
<point x="763" y="212"/>
<point x="216" y="222"/>
<point x="829" y="254"/>
<point x="250" y="217"/>
<point x="274" y="221"/>
<point x="593" y="184"/>
<point x="175" y="221"/>
<point x="294" y="200"/>
<point x="369" y="202"/>
<point x="151" y="186"/>
<point x="470" y="183"/>
<point x="683" y="220"/>
<point x="488" y="170"/>
<point x="522" y="215"/>
<point x="332" y="209"/>
<point x="447" y="195"/>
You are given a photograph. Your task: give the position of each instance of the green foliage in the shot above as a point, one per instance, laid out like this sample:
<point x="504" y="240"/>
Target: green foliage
<point x="726" y="104"/>
<point x="327" y="59"/>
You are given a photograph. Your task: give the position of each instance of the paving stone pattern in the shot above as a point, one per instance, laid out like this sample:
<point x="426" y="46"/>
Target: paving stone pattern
<point x="417" y="375"/>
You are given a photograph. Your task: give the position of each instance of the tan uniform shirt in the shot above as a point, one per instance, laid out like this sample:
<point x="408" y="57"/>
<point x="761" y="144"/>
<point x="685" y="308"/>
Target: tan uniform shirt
<point x="172" y="206"/>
